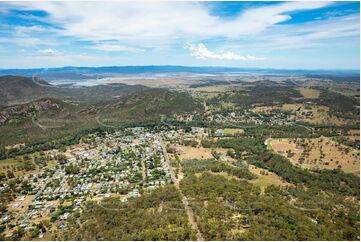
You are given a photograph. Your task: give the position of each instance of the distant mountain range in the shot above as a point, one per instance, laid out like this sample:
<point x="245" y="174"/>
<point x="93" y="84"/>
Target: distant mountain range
<point x="72" y="72"/>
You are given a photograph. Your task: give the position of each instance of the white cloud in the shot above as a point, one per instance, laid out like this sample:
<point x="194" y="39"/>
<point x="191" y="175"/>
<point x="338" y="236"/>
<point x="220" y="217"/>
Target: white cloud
<point x="40" y="61"/>
<point x="329" y="33"/>
<point x="136" y="26"/>
<point x="25" y="30"/>
<point x="255" y="20"/>
<point x="29" y="41"/>
<point x="201" y="52"/>
<point x="154" y="24"/>
<point x="48" y="52"/>
<point x="116" y="48"/>
<point x="30" y="36"/>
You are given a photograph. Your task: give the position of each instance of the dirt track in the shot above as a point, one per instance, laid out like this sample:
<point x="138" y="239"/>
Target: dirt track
<point x="185" y="201"/>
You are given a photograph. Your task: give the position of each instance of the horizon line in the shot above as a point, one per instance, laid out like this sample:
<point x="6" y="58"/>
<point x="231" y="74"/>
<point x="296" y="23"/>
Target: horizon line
<point x="184" y="66"/>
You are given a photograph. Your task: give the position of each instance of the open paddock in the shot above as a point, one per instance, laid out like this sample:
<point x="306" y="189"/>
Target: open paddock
<point x="309" y="93"/>
<point x="308" y="113"/>
<point x="322" y="153"/>
<point x="233" y="131"/>
<point x="189" y="153"/>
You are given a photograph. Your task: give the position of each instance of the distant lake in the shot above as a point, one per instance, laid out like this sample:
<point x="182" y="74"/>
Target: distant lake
<point x="81" y="82"/>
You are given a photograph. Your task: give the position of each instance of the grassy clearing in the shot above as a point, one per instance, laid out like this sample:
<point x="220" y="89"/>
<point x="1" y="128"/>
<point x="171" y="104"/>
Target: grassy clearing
<point x="192" y="153"/>
<point x="314" y="114"/>
<point x="216" y="88"/>
<point x="14" y="164"/>
<point x="309" y="93"/>
<point x="224" y="174"/>
<point x="309" y="113"/>
<point x="266" y="178"/>
<point x="233" y="131"/>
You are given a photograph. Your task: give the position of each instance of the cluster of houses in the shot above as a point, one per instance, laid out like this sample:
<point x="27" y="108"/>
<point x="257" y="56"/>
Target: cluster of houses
<point x="250" y="117"/>
<point x="123" y="163"/>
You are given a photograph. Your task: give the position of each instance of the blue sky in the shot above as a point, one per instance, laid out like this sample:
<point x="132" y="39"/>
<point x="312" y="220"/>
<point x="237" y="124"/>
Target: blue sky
<point x="291" y="35"/>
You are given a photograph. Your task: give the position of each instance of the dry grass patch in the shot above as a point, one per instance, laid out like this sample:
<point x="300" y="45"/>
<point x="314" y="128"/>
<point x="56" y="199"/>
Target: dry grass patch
<point x="14" y="165"/>
<point x="224" y="174"/>
<point x="23" y="206"/>
<point x="309" y="93"/>
<point x="313" y="114"/>
<point x="191" y="153"/>
<point x="202" y="94"/>
<point x="266" y="178"/>
<point x="216" y="88"/>
<point x="321" y="153"/>
<point x="354" y="134"/>
<point x="233" y="131"/>
<point x="264" y="109"/>
<point x="309" y="113"/>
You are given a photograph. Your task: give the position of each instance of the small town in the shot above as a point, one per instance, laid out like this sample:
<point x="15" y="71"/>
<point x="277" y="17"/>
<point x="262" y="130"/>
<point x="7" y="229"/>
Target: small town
<point x="180" y="120"/>
<point x="122" y="164"/>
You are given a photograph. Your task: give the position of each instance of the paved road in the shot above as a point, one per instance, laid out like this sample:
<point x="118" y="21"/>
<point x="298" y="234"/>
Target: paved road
<point x="185" y="201"/>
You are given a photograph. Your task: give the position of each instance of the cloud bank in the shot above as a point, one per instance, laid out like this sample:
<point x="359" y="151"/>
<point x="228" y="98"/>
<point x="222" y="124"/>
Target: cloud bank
<point x="116" y="48"/>
<point x="153" y="24"/>
<point x="201" y="52"/>
<point x="139" y="32"/>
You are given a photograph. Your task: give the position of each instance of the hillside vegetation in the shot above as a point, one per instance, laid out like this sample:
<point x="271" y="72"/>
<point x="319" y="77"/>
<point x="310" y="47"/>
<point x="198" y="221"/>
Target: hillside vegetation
<point x="64" y="112"/>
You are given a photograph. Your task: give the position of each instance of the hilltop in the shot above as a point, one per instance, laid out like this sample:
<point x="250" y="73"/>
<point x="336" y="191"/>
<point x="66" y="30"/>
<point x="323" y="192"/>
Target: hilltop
<point x="19" y="89"/>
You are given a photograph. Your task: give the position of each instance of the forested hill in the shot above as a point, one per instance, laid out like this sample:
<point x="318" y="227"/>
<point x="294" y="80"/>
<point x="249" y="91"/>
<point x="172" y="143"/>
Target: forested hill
<point x="148" y="105"/>
<point x="19" y="89"/>
<point x="31" y="112"/>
